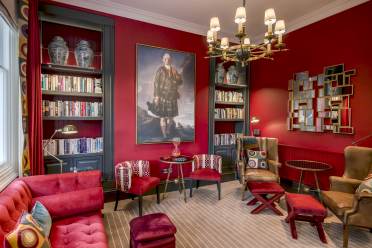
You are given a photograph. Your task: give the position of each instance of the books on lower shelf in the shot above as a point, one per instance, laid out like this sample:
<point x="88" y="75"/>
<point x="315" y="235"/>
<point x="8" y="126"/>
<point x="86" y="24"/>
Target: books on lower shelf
<point x="229" y="96"/>
<point x="64" y="83"/>
<point x="228" y="113"/>
<point x="70" y="108"/>
<point x="74" y="146"/>
<point x="225" y="139"/>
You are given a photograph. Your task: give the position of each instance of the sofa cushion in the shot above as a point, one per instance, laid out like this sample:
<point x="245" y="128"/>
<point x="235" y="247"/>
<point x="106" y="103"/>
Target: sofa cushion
<point x="73" y="203"/>
<point x="260" y="175"/>
<point x="86" y="230"/>
<point x="42" y="216"/>
<point x="151" y="227"/>
<point x="140" y="185"/>
<point x="27" y="233"/>
<point x="338" y="202"/>
<point x="206" y="174"/>
<point x="15" y="199"/>
<point x="61" y="183"/>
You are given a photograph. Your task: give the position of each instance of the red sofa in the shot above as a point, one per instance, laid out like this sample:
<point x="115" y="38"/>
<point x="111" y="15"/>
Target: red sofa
<point x="74" y="201"/>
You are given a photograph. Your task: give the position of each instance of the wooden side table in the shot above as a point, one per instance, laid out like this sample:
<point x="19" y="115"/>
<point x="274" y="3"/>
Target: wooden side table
<point x="308" y="166"/>
<point x="179" y="163"/>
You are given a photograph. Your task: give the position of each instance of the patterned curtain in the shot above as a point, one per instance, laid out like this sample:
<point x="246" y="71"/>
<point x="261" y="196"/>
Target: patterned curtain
<point x="23" y="28"/>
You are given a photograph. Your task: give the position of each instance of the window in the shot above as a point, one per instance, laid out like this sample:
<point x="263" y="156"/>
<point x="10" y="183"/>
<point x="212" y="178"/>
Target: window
<point x="9" y="104"/>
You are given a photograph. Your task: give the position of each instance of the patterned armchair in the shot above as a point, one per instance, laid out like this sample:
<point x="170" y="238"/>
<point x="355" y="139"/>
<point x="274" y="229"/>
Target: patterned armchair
<point x="133" y="178"/>
<point x="246" y="172"/>
<point x="206" y="167"/>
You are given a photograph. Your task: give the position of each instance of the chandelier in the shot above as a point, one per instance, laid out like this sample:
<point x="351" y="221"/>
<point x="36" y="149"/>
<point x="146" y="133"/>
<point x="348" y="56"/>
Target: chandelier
<point x="245" y="51"/>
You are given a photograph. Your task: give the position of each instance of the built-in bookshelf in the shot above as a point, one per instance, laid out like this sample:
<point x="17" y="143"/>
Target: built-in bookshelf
<point x="228" y="111"/>
<point x="77" y="94"/>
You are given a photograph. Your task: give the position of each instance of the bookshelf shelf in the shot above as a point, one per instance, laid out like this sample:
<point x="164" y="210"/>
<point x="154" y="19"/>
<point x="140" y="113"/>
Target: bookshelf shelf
<point x="230" y="103"/>
<point x="229" y="120"/>
<point x="78" y="155"/>
<point x="70" y="70"/>
<point x="64" y="93"/>
<point x="231" y="86"/>
<point x="72" y="118"/>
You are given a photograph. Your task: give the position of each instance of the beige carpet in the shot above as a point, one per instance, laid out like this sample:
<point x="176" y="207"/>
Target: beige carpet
<point x="206" y="222"/>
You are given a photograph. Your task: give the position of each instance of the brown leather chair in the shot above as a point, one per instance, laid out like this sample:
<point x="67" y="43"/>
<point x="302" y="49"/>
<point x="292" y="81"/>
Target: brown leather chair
<point x="246" y="174"/>
<point x="353" y="209"/>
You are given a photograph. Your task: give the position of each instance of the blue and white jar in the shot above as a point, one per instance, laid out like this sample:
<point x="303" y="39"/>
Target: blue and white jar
<point x="58" y="51"/>
<point x="83" y="54"/>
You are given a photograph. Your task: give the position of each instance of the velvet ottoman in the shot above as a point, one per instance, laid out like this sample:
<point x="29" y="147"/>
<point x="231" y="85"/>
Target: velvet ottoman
<point x="152" y="231"/>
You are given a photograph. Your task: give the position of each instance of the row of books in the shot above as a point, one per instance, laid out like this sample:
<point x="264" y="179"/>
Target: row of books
<point x="229" y="96"/>
<point x="73" y="146"/>
<point x="70" y="108"/>
<point x="71" y="83"/>
<point x="225" y="139"/>
<point x="228" y="113"/>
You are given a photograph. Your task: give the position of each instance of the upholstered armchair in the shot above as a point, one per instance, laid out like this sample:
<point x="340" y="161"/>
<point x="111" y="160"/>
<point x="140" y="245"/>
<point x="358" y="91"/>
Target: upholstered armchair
<point x="133" y="178"/>
<point x="245" y="172"/>
<point x="206" y="167"/>
<point x="351" y="207"/>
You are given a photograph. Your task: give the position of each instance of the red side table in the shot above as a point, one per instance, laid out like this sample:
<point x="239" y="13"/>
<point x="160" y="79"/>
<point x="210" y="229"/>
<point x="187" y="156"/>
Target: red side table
<point x="260" y="191"/>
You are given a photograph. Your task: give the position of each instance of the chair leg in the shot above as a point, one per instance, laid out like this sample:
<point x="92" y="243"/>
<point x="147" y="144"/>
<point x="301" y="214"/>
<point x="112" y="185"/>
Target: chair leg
<point x="346" y="236"/>
<point x="219" y="190"/>
<point x="197" y="184"/>
<point x="244" y="188"/>
<point x="117" y="199"/>
<point x="140" y="199"/>
<point x="191" y="185"/>
<point x="157" y="194"/>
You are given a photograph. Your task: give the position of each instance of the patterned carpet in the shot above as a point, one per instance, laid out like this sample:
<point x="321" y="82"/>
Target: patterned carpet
<point x="206" y="222"/>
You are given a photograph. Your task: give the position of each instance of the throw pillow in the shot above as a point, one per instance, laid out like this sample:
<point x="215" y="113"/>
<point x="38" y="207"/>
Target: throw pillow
<point x="366" y="185"/>
<point x="27" y="234"/>
<point x="42" y="216"/>
<point x="257" y="159"/>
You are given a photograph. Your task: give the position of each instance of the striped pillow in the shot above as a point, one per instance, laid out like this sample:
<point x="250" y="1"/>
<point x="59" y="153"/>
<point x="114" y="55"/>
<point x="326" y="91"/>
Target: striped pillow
<point x="366" y="185"/>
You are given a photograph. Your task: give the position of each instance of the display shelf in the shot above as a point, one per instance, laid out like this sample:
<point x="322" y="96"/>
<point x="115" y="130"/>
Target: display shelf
<point x="231" y="86"/>
<point x="79" y="155"/>
<point x="73" y="118"/>
<point x="229" y="120"/>
<point x="70" y="70"/>
<point x="78" y="94"/>
<point x="230" y="103"/>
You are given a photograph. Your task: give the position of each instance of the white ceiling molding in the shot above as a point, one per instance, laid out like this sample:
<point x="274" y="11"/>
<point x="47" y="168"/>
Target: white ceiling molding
<point x="317" y="15"/>
<point x="118" y="9"/>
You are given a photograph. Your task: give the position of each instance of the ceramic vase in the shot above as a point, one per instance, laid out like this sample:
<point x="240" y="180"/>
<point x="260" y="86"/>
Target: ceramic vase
<point x="220" y="75"/>
<point x="83" y="54"/>
<point x="58" y="51"/>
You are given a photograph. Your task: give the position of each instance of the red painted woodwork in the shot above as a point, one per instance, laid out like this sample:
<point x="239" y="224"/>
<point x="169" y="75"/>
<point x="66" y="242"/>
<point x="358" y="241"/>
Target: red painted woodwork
<point x="334" y="40"/>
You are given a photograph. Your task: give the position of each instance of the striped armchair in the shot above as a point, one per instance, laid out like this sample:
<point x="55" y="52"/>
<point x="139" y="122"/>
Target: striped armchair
<point x="206" y="167"/>
<point x="133" y="178"/>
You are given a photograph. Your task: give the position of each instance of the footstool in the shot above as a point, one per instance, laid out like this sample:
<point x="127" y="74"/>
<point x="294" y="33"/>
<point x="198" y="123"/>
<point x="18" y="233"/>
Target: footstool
<point x="305" y="208"/>
<point x="152" y="230"/>
<point x="261" y="192"/>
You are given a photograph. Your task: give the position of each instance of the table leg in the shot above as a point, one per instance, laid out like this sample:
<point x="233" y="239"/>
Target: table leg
<point x="300" y="182"/>
<point x="166" y="182"/>
<point x="317" y="186"/>
<point x="183" y="183"/>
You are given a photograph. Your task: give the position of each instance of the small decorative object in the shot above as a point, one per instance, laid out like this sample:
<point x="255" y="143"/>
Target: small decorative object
<point x="58" y="51"/>
<point x="176" y="151"/>
<point x="165" y="95"/>
<point x="83" y="54"/>
<point x="220" y="75"/>
<point x="232" y="75"/>
<point x="98" y="86"/>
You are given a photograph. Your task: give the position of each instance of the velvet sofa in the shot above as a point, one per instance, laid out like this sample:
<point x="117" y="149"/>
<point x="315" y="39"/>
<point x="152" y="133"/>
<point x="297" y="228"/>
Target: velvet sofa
<point x="74" y="200"/>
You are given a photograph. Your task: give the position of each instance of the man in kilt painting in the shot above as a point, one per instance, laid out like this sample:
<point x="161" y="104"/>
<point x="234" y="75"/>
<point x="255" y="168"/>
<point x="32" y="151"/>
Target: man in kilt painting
<point x="165" y="105"/>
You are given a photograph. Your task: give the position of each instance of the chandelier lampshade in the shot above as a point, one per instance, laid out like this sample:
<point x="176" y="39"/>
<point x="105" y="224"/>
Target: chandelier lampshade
<point x="245" y="51"/>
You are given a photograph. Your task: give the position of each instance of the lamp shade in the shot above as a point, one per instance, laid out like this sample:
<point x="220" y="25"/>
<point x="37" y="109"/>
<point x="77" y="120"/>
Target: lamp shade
<point x="225" y="43"/>
<point x="210" y="36"/>
<point x="69" y="129"/>
<point x="255" y="120"/>
<point x="240" y="15"/>
<point x="280" y="27"/>
<point x="270" y="17"/>
<point x="215" y="24"/>
<point x="247" y="41"/>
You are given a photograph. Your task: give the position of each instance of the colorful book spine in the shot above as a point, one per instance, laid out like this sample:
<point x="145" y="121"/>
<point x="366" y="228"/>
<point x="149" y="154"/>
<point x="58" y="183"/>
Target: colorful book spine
<point x="73" y="146"/>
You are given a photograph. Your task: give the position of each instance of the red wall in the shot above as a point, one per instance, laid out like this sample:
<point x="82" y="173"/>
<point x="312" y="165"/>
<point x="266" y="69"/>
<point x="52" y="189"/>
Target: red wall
<point x="128" y="33"/>
<point x="342" y="38"/>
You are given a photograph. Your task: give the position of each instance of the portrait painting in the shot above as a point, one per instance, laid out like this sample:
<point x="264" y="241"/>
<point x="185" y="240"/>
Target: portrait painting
<point x="165" y="95"/>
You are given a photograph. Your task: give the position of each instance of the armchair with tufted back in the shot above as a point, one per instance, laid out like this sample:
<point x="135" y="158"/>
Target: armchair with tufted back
<point x="351" y="207"/>
<point x="133" y="178"/>
<point x="245" y="173"/>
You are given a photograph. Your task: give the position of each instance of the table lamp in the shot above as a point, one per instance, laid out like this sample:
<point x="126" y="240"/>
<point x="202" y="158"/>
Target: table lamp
<point x="67" y="130"/>
<point x="254" y="121"/>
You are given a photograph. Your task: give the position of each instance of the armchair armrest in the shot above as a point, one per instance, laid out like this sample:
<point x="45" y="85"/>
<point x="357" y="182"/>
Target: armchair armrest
<point x="360" y="214"/>
<point x="342" y="184"/>
<point x="274" y="166"/>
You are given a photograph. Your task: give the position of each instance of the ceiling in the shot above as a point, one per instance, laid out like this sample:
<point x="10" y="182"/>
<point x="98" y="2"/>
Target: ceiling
<point x="193" y="15"/>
